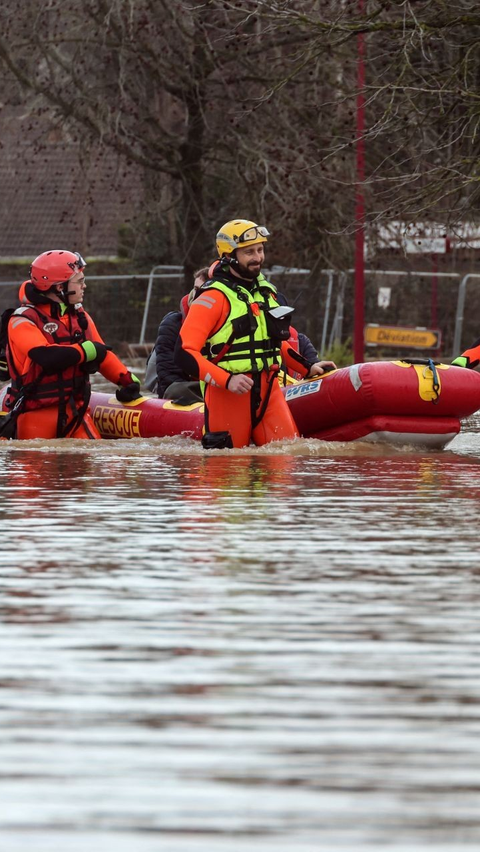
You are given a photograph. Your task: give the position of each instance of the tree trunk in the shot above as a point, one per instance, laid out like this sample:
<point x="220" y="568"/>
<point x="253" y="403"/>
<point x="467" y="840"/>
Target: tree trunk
<point x="196" y="240"/>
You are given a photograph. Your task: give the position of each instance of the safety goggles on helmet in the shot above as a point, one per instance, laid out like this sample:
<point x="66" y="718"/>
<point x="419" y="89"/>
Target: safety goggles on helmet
<point x="252" y="234"/>
<point x="79" y="264"/>
<point x="239" y="233"/>
<point x="75" y="265"/>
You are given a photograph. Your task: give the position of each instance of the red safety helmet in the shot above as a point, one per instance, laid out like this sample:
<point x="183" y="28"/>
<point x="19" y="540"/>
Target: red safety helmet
<point x="55" y="267"/>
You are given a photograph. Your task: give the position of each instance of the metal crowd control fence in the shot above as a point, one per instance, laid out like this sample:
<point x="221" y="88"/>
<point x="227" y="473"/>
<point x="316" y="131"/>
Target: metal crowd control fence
<point x="411" y="305"/>
<point x="416" y="308"/>
<point x="151" y="278"/>
<point x="169" y="274"/>
<point x="282" y="276"/>
<point x="129" y="308"/>
<point x="457" y="343"/>
<point x="118" y="303"/>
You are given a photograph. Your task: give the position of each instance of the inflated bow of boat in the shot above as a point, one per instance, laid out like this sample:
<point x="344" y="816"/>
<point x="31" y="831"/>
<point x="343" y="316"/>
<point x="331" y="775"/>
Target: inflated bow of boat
<point x="403" y="402"/>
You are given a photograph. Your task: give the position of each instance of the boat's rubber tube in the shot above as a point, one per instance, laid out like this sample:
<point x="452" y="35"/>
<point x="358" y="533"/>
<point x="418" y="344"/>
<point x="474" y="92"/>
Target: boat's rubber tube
<point x="392" y="389"/>
<point x="394" y="401"/>
<point x="147" y="417"/>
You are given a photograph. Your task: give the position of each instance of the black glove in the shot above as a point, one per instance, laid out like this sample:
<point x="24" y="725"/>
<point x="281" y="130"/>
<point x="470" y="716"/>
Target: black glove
<point x="128" y="393"/>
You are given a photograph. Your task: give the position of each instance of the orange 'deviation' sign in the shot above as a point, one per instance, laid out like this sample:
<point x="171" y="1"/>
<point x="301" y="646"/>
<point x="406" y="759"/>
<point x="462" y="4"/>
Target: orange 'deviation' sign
<point x="395" y="336"/>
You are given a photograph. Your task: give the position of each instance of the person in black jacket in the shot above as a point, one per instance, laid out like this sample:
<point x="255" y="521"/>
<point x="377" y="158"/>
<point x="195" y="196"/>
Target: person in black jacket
<point x="306" y="347"/>
<point x="162" y="376"/>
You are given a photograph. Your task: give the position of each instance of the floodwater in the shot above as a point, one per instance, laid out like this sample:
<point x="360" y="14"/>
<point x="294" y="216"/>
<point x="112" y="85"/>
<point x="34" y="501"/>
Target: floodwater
<point x="271" y="649"/>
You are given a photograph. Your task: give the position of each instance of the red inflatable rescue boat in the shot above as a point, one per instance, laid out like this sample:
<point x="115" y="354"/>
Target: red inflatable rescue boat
<point x="403" y="402"/>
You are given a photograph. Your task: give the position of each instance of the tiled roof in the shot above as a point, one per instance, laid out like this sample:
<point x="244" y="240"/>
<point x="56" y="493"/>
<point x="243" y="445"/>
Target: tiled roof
<point x="55" y="195"/>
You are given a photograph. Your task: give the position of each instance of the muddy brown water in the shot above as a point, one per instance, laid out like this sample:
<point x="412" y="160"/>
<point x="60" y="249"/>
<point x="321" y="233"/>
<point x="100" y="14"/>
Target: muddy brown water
<point x="266" y="649"/>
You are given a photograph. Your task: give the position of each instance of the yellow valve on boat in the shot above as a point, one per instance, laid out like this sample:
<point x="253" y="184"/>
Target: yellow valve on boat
<point x="284" y="379"/>
<point x="429" y="380"/>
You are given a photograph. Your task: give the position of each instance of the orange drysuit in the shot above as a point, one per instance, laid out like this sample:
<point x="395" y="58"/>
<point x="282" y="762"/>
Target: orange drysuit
<point x="53" y="378"/>
<point x="471" y="356"/>
<point x="237" y="414"/>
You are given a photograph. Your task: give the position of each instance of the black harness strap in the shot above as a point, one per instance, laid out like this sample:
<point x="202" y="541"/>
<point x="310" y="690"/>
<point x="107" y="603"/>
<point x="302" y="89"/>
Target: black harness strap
<point x="77" y="419"/>
<point x="242" y="326"/>
<point x="8" y="422"/>
<point x="435" y="380"/>
<point x="257" y="417"/>
<point x="225" y="349"/>
<point x="62" y="418"/>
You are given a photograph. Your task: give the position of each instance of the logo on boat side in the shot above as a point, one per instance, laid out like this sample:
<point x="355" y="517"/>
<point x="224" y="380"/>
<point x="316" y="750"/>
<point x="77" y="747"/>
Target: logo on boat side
<point x="302" y="389"/>
<point x="117" y="422"/>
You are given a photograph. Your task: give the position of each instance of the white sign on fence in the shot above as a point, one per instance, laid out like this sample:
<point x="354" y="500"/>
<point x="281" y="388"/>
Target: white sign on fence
<point x="384" y="294"/>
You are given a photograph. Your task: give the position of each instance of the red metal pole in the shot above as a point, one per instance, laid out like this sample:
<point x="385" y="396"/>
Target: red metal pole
<point x="359" y="312"/>
<point x="434" y="306"/>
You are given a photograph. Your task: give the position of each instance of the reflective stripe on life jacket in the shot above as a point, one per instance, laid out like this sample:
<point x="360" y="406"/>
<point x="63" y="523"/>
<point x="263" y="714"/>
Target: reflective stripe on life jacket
<point x="38" y="388"/>
<point x="242" y="344"/>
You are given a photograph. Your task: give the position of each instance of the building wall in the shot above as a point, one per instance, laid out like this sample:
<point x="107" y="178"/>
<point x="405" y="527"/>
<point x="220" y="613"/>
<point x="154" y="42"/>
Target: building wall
<point x="56" y="193"/>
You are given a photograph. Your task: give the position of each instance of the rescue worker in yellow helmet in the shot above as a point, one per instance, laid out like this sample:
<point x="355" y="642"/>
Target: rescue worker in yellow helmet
<point x="234" y="339"/>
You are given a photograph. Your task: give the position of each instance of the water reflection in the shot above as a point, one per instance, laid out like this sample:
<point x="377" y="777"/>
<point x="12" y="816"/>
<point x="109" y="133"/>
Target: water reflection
<point x="268" y="649"/>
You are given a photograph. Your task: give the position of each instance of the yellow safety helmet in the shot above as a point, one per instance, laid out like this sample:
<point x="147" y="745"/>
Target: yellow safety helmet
<point x="239" y="233"/>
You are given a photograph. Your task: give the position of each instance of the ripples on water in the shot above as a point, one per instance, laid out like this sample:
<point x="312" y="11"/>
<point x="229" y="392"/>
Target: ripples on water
<point x="267" y="649"/>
